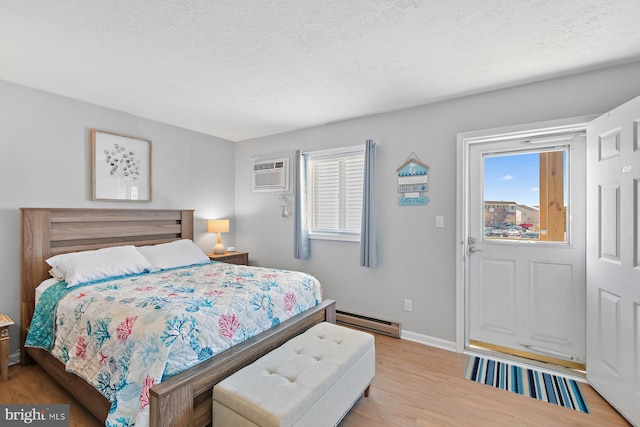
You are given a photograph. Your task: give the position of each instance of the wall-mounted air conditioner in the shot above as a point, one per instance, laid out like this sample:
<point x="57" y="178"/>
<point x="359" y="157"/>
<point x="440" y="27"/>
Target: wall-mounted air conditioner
<point x="270" y="175"/>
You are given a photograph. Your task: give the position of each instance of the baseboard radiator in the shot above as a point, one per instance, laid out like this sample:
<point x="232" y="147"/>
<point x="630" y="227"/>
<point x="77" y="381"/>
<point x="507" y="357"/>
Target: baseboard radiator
<point x="367" y="323"/>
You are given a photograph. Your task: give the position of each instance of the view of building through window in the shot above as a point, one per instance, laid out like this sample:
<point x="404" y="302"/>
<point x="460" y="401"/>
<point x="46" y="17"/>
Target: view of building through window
<point x="525" y="195"/>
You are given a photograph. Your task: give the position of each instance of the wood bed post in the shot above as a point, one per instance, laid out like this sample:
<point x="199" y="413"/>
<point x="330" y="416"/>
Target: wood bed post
<point x="174" y="409"/>
<point x="187" y="224"/>
<point x="35" y="247"/>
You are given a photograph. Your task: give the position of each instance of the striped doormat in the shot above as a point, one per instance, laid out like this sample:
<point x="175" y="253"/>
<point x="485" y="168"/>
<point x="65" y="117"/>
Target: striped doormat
<point x="529" y="382"/>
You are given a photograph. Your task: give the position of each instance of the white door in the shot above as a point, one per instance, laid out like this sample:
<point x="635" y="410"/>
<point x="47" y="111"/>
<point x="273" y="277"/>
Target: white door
<point x="526" y="273"/>
<point x="613" y="257"/>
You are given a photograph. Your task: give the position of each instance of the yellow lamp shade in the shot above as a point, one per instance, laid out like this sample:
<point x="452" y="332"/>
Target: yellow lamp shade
<point x="219" y="226"/>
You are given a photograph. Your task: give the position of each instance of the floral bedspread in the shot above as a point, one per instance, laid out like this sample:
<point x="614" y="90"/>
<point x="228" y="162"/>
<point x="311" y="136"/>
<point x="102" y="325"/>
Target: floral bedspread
<point x="125" y="335"/>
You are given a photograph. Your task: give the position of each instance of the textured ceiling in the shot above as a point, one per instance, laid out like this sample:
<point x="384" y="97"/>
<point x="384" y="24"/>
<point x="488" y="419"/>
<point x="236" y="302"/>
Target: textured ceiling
<point x="240" y="69"/>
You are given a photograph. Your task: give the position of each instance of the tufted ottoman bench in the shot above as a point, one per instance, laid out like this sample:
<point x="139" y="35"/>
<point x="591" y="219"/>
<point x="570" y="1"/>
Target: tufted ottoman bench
<point x="311" y="380"/>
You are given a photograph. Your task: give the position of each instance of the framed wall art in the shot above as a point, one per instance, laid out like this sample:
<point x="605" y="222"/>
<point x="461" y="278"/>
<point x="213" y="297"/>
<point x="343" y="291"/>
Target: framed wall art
<point x="120" y="167"/>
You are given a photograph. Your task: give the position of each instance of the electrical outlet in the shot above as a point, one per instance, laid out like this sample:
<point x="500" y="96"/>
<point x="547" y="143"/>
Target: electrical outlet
<point x="407" y="305"/>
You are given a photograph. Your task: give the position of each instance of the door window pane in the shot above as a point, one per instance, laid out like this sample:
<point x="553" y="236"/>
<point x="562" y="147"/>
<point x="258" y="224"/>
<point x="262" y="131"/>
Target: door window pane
<point x="525" y="195"/>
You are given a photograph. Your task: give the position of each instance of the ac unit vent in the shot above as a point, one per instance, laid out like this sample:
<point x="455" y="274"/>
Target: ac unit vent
<point x="271" y="175"/>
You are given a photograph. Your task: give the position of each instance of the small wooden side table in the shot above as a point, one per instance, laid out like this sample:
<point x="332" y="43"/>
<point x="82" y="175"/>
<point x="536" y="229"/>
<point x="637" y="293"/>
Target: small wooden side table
<point x="241" y="258"/>
<point x="5" y="322"/>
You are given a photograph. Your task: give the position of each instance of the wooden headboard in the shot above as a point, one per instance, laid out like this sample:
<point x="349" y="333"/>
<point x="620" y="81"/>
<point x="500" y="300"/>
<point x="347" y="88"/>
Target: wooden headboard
<point x="48" y="232"/>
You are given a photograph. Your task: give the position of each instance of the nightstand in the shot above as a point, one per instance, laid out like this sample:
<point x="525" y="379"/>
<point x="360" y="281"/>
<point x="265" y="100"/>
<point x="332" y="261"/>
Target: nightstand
<point x="241" y="258"/>
<point x="5" y="322"/>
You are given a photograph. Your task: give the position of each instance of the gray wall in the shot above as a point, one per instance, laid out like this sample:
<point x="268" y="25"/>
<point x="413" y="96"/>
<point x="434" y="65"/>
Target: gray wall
<point x="417" y="260"/>
<point x="44" y="141"/>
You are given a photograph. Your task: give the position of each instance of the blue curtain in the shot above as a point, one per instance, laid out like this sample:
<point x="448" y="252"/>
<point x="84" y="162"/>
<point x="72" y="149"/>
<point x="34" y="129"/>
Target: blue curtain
<point x="368" y="234"/>
<point x="300" y="232"/>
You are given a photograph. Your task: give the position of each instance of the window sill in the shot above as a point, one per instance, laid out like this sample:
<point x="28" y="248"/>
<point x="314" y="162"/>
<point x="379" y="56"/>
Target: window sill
<point x="337" y="237"/>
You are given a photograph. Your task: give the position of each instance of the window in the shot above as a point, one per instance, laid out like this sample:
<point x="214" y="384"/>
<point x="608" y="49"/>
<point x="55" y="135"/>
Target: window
<point x="334" y="193"/>
<point x="533" y="186"/>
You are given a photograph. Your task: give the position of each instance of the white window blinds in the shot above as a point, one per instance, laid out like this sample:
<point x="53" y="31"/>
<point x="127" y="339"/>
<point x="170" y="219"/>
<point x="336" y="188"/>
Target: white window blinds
<point x="334" y="191"/>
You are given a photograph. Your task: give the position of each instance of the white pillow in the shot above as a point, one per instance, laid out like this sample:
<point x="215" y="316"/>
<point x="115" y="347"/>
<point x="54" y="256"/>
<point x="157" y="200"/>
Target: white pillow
<point x="89" y="266"/>
<point x="179" y="253"/>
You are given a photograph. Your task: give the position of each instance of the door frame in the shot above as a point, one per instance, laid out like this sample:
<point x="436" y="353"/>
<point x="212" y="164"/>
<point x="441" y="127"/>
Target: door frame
<point x="464" y="141"/>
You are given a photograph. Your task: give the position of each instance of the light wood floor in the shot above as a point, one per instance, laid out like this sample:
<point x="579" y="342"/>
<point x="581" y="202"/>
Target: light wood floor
<point x="415" y="385"/>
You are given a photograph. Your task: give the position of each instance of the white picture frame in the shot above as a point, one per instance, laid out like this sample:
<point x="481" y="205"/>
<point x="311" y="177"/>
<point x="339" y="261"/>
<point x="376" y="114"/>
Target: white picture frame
<point x="120" y="167"/>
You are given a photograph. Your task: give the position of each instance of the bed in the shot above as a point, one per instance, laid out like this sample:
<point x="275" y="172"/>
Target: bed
<point x="182" y="399"/>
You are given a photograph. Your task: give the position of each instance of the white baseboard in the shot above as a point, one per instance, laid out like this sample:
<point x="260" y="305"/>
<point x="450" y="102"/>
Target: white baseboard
<point x="427" y="340"/>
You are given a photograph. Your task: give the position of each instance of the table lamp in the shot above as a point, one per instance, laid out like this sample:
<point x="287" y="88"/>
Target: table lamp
<point x="219" y="226"/>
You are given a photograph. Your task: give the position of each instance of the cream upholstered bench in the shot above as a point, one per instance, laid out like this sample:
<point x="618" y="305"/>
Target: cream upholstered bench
<point x="311" y="380"/>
